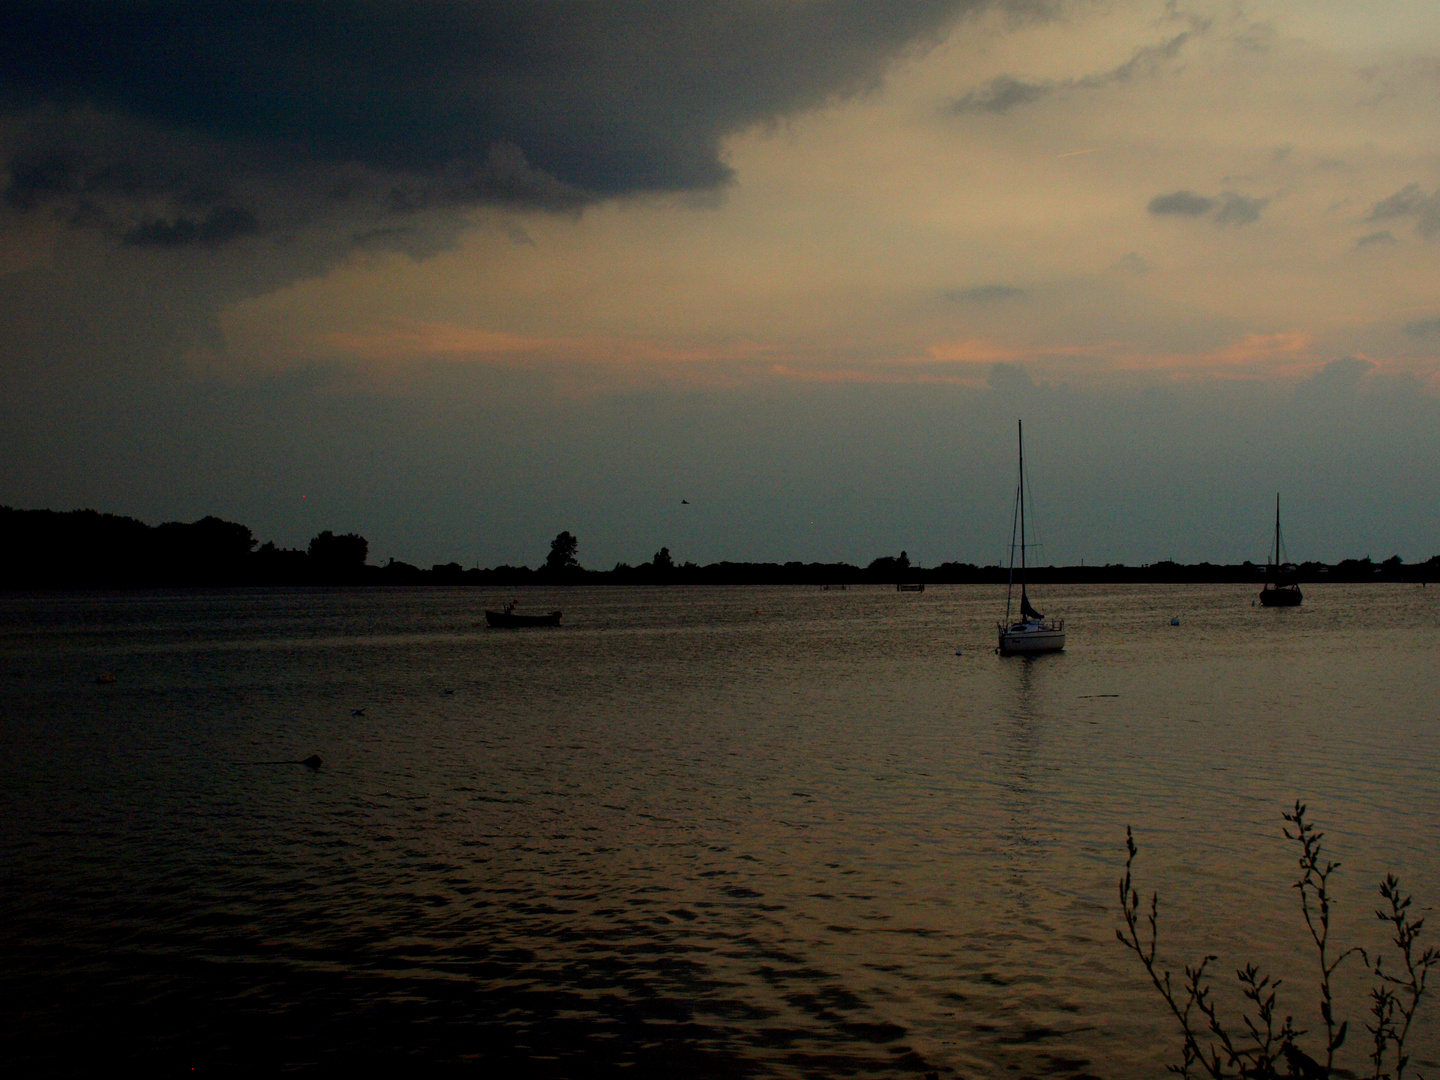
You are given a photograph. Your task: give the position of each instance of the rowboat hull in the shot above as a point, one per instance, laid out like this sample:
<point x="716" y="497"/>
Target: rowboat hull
<point x="508" y="619"/>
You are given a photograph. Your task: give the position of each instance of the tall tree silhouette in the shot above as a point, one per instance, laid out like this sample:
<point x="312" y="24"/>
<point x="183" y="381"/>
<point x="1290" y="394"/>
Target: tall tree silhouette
<point x="562" y="554"/>
<point x="338" y="557"/>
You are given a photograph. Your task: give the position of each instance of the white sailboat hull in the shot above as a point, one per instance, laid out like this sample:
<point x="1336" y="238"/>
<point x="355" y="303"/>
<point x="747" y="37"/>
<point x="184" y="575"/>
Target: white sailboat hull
<point x="1025" y="638"/>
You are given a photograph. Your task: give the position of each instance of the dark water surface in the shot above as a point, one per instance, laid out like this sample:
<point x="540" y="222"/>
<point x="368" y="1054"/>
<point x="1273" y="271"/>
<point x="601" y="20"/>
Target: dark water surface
<point x="694" y="832"/>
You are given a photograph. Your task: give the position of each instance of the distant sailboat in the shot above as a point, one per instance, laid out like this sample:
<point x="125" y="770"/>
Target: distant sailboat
<point x="1281" y="577"/>
<point x="1032" y="632"/>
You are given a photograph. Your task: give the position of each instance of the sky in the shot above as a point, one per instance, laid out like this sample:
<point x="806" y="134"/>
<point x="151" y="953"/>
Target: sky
<point x="460" y="275"/>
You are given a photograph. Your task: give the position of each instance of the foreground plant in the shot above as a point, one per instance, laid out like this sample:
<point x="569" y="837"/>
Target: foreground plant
<point x="1261" y="1042"/>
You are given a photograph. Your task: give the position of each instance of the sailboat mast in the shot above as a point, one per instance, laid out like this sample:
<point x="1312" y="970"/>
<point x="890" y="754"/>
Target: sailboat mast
<point x="1020" y="425"/>
<point x="1010" y="578"/>
<point x="1277" y="530"/>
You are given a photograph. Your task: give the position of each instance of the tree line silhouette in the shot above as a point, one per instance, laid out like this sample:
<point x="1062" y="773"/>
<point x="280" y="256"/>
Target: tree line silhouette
<point x="46" y="549"/>
<point x="81" y="549"/>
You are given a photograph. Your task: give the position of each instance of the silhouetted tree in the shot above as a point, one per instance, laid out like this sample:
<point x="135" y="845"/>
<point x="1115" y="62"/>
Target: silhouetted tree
<point x="207" y="552"/>
<point x="45" y="548"/>
<point x="889" y="567"/>
<point x="281" y="566"/>
<point x="662" y="561"/>
<point x="562" y="553"/>
<point x="400" y="572"/>
<point x="1355" y="569"/>
<point x="335" y="557"/>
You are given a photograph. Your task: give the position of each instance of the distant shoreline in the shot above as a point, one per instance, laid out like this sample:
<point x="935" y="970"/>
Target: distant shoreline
<point x="46" y="551"/>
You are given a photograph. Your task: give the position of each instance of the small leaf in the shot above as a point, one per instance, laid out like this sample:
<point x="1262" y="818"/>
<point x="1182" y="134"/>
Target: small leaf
<point x="1339" y="1039"/>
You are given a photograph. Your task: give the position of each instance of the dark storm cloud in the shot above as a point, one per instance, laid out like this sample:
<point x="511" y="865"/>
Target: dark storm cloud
<point x="221" y="224"/>
<point x="1184" y="203"/>
<point x="1001" y="94"/>
<point x="1382" y="237"/>
<point x="546" y="104"/>
<point x="1410" y="202"/>
<point x="983" y="294"/>
<point x="1005" y="92"/>
<point x="227" y="148"/>
<point x="1423" y="328"/>
<point x="1256" y="37"/>
<point x="1238" y="209"/>
<point x="1230" y="208"/>
<point x="1146" y="60"/>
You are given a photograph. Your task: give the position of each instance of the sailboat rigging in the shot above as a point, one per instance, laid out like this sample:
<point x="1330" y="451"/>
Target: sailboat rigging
<point x="1032" y="632"/>
<point x="1281" y="585"/>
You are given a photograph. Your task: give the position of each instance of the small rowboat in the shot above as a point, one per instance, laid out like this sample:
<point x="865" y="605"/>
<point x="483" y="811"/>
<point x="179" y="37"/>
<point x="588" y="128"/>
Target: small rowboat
<point x="511" y="619"/>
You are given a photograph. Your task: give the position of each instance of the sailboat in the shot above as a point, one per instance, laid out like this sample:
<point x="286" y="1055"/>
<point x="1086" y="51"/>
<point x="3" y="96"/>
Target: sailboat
<point x="1032" y="632"/>
<point x="1281" y="587"/>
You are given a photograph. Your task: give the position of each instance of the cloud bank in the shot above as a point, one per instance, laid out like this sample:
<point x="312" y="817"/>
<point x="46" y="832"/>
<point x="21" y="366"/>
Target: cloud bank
<point x="193" y="153"/>
<point x="170" y="120"/>
<point x="485" y="465"/>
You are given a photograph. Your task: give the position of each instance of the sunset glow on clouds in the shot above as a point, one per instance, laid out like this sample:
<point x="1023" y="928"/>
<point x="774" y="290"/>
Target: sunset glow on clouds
<point x="1109" y="201"/>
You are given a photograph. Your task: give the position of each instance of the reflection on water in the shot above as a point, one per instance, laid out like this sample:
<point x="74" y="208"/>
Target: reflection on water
<point x="695" y="832"/>
<point x="1020" y="761"/>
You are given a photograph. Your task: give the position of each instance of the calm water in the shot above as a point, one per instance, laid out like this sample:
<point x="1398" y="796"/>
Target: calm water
<point x="768" y="832"/>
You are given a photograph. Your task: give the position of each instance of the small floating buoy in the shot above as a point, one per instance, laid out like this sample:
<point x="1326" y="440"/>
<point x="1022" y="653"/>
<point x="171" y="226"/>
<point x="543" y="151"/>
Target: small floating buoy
<point x="1175" y="621"/>
<point x="957" y="652"/>
<point x="357" y="712"/>
<point x="312" y="762"/>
